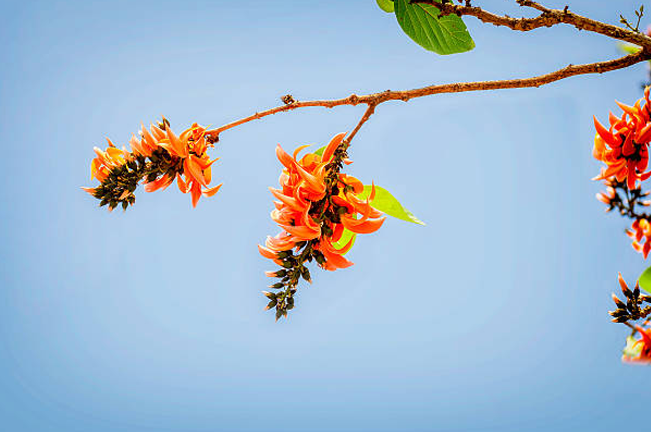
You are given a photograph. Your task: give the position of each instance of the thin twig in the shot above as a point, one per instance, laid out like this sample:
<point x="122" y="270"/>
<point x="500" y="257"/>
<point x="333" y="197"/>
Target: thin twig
<point x="532" y="4"/>
<point x="367" y="114"/>
<point x="405" y="95"/>
<point x="628" y="324"/>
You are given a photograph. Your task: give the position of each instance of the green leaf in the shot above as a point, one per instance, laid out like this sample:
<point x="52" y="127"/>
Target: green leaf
<point x="387" y="203"/>
<point x="628" y="48"/>
<point x="320" y="151"/>
<point x="632" y="349"/>
<point x="444" y="35"/>
<point x="645" y="280"/>
<point x="385" y="5"/>
<point x="345" y="238"/>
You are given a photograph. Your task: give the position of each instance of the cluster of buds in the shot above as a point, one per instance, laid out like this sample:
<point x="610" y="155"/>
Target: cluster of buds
<point x="627" y="202"/>
<point x="157" y="158"/>
<point x="634" y="308"/>
<point x="316" y="205"/>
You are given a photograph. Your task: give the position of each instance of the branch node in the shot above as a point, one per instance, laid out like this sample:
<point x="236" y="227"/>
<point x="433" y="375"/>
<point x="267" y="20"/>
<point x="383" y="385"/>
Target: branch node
<point x="288" y="99"/>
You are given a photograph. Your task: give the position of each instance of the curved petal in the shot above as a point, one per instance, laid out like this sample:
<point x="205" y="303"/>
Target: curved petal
<point x="159" y="184"/>
<point x="267" y="253"/>
<point x="335" y="260"/>
<point x="178" y="147"/>
<point x="604" y="133"/>
<point x="195" y="192"/>
<point x="157" y="132"/>
<point x="193" y="169"/>
<point x="288" y="201"/>
<point x="183" y="186"/>
<point x="279" y="244"/>
<point x="366" y="227"/>
<point x="212" y="191"/>
<point x="302" y="232"/>
<point x="299" y="148"/>
<point x="284" y="158"/>
<point x="332" y="146"/>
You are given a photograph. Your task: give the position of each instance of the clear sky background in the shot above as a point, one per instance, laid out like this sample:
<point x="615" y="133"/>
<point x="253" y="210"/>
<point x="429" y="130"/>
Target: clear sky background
<point x="493" y="317"/>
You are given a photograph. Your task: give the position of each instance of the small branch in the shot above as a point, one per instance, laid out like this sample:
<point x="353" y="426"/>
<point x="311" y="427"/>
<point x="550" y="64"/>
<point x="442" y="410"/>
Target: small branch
<point x="532" y="4"/>
<point x="628" y="201"/>
<point x="405" y="95"/>
<point x="547" y="18"/>
<point x="351" y="100"/>
<point x="639" y="14"/>
<point x="367" y="114"/>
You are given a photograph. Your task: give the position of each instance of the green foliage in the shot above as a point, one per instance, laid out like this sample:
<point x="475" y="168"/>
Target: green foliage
<point x="645" y="280"/>
<point x="387" y="203"/>
<point x="385" y="5"/>
<point x="443" y="35"/>
<point x="345" y="238"/>
<point x="628" y="48"/>
<point x="320" y="151"/>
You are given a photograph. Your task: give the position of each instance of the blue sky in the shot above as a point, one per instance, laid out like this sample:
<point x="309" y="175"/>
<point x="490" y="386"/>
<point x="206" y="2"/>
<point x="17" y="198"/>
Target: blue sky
<point x="490" y="318"/>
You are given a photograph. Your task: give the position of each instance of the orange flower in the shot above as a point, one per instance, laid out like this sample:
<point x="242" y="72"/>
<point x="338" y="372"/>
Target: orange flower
<point x="641" y="231"/>
<point x="157" y="158"/>
<point x="639" y="351"/>
<point x="624" y="147"/>
<point x="315" y="203"/>
<point x="105" y="161"/>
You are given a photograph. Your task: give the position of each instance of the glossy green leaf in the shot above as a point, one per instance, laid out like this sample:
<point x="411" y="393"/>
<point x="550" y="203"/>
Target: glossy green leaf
<point x="387" y="203"/>
<point x="444" y="35"/>
<point x="632" y="349"/>
<point x="345" y="238"/>
<point x="385" y="5"/>
<point x="645" y="280"/>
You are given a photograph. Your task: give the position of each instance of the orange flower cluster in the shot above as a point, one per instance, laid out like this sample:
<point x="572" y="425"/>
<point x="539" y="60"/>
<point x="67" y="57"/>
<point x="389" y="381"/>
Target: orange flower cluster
<point x="316" y="203"/>
<point x="641" y="231"/>
<point x="107" y="160"/>
<point x="624" y="146"/>
<point x="157" y="157"/>
<point x="642" y="348"/>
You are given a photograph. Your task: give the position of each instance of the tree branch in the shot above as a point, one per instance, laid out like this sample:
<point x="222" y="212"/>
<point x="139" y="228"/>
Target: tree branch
<point x="372" y="100"/>
<point x="547" y="18"/>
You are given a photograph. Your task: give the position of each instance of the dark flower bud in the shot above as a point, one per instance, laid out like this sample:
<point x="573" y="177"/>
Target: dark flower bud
<point x="618" y="302"/>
